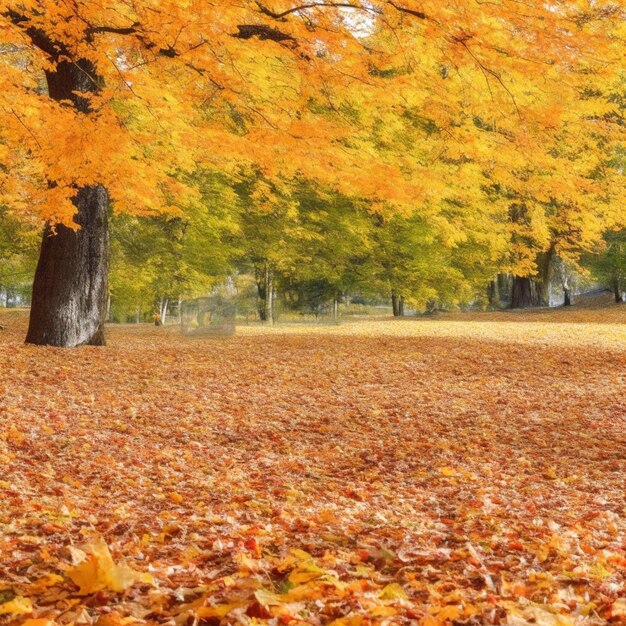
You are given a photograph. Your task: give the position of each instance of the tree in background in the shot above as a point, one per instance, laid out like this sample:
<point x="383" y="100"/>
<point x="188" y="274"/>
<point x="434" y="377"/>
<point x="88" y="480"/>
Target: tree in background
<point x="609" y="264"/>
<point x="157" y="261"/>
<point x="19" y="240"/>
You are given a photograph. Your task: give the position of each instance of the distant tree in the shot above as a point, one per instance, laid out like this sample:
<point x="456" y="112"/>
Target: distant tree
<point x="608" y="265"/>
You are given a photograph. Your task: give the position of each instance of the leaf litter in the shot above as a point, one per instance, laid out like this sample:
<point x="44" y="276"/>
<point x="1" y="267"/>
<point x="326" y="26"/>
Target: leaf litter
<point x="386" y="473"/>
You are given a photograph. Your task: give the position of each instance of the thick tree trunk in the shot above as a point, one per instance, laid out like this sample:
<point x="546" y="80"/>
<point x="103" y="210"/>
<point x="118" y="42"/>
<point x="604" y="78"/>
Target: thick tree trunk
<point x="523" y="294"/>
<point x="70" y="289"/>
<point x="617" y="291"/>
<point x="397" y="304"/>
<point x="545" y="271"/>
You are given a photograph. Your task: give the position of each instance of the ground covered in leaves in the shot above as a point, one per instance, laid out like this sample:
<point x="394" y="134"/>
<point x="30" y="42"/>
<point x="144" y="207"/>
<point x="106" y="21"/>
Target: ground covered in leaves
<point x="459" y="470"/>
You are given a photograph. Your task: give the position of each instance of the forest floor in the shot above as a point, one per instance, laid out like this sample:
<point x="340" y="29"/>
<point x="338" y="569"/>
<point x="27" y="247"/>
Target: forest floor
<point x="465" y="469"/>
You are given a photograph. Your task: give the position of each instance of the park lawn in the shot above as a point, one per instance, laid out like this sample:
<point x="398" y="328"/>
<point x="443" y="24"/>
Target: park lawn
<point x="466" y="469"/>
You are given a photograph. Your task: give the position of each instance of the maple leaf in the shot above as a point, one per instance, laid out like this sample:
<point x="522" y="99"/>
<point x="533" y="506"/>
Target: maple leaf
<point x="99" y="572"/>
<point x="17" y="605"/>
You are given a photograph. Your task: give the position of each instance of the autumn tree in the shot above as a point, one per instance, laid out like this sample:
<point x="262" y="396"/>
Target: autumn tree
<point x="608" y="264"/>
<point x="158" y="260"/>
<point x="108" y="102"/>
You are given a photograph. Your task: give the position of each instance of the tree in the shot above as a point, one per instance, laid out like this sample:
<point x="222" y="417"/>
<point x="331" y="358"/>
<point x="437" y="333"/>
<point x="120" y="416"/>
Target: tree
<point x="330" y="247"/>
<point x="133" y="93"/>
<point x="608" y="265"/>
<point x="566" y="193"/>
<point x="156" y="260"/>
<point x="18" y="255"/>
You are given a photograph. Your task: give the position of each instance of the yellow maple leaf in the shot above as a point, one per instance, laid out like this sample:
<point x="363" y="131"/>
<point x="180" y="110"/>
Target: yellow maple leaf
<point x="448" y="471"/>
<point x="219" y="610"/>
<point x="393" y="591"/>
<point x="17" y="606"/>
<point x="98" y="571"/>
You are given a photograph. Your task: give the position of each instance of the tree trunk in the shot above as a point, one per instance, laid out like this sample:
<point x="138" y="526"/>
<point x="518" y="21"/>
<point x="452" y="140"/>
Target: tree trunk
<point x="523" y="294"/>
<point x="401" y="306"/>
<point x="545" y="271"/>
<point x="70" y="289"/>
<point x="396" y="304"/>
<point x="269" y="295"/>
<point x="336" y="309"/>
<point x="261" y="285"/>
<point x="617" y="291"/>
<point x="163" y="310"/>
<point x="567" y="293"/>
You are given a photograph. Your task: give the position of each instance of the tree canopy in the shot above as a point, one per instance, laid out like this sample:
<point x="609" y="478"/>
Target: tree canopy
<point x="497" y="123"/>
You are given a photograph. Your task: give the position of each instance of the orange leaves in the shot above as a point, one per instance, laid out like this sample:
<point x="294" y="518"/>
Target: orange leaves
<point x="369" y="473"/>
<point x="176" y="497"/>
<point x="372" y="98"/>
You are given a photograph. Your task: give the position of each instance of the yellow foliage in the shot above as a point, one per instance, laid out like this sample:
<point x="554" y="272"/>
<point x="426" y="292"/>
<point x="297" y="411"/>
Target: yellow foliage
<point x="98" y="571"/>
<point x="17" y="606"/>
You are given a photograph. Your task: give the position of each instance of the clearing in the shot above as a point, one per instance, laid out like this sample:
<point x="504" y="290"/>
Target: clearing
<point x="466" y="469"/>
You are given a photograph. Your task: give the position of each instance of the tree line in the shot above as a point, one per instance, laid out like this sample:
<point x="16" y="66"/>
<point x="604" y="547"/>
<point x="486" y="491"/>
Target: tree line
<point x="310" y="248"/>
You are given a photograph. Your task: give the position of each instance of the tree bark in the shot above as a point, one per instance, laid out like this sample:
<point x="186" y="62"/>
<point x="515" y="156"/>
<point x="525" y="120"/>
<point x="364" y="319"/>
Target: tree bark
<point x="523" y="294"/>
<point x="397" y="304"/>
<point x="617" y="291"/>
<point x="70" y="290"/>
<point x="545" y="271"/>
<point x="394" y="304"/>
<point x="567" y="293"/>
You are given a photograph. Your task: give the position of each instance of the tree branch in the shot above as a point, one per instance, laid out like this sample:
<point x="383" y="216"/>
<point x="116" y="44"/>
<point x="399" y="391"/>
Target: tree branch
<point x="419" y="14"/>
<point x="248" y="31"/>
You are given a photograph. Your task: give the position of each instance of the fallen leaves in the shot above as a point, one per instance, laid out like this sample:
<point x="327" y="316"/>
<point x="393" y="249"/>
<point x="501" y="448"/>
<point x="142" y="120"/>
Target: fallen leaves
<point x="96" y="571"/>
<point x="16" y="606"/>
<point x="300" y="478"/>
